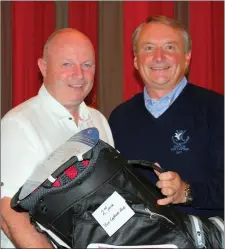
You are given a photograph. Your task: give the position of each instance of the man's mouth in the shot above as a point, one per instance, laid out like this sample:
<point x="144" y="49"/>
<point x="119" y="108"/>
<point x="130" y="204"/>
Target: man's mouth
<point x="75" y="85"/>
<point x="159" y="68"/>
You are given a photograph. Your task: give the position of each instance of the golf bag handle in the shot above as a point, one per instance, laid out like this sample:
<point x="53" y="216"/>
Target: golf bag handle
<point x="145" y="164"/>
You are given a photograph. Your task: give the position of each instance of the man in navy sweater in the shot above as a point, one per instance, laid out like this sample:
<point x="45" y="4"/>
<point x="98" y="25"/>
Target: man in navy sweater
<point x="174" y="123"/>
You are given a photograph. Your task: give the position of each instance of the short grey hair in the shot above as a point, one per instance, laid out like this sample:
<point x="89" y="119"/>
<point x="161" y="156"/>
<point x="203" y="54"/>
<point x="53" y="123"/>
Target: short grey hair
<point x="167" y="21"/>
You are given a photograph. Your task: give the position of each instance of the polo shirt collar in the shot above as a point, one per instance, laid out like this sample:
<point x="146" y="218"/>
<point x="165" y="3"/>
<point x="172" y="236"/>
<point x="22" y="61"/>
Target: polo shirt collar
<point x="58" y="109"/>
<point x="171" y="96"/>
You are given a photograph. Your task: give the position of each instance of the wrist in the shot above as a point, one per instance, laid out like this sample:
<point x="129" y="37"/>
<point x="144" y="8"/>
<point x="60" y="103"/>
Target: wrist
<point x="188" y="198"/>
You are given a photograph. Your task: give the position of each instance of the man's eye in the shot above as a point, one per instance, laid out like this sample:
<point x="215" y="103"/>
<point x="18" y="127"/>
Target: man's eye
<point x="86" y="65"/>
<point x="170" y="47"/>
<point x="67" y="64"/>
<point x="148" y="48"/>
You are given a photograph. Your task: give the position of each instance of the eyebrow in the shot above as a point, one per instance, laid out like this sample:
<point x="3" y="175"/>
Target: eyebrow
<point x="88" y="61"/>
<point x="152" y="43"/>
<point x="172" y="42"/>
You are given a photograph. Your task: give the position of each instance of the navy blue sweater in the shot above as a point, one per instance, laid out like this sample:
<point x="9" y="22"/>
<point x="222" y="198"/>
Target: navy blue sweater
<point x="188" y="138"/>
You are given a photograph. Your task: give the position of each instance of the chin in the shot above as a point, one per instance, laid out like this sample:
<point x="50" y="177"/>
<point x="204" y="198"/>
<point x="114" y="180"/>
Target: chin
<point x="72" y="104"/>
<point x="76" y="102"/>
<point x="160" y="82"/>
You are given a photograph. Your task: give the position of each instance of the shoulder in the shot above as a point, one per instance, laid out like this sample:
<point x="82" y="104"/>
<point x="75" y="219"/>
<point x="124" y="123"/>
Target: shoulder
<point x="23" y="111"/>
<point x="21" y="122"/>
<point x="136" y="102"/>
<point x="17" y="124"/>
<point x="204" y="94"/>
<point x="207" y="102"/>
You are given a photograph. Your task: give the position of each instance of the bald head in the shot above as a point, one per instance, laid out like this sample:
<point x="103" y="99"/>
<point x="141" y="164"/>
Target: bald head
<point x="60" y="36"/>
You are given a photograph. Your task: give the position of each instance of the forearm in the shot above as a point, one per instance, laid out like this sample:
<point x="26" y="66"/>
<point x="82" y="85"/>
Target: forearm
<point x="5" y="228"/>
<point x="19" y="230"/>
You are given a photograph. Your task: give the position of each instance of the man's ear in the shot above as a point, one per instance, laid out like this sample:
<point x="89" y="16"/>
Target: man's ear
<point x="188" y="58"/>
<point x="42" y="66"/>
<point x="135" y="62"/>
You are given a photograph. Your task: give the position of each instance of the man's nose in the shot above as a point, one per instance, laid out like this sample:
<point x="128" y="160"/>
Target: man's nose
<point x="158" y="55"/>
<point x="78" y="72"/>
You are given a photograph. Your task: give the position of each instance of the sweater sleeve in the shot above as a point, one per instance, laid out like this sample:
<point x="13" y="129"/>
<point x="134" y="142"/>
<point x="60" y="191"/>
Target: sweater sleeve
<point x="210" y="195"/>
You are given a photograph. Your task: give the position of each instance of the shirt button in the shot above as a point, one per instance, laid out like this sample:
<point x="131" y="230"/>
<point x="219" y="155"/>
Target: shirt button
<point x="70" y="119"/>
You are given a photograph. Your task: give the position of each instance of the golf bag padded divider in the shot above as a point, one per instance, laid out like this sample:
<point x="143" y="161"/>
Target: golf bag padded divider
<point x="67" y="211"/>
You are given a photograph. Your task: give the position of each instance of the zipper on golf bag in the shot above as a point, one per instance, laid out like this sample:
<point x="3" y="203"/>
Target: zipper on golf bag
<point x="86" y="224"/>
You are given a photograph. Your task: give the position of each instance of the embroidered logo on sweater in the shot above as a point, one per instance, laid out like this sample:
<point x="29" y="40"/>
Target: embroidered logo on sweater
<point x="180" y="140"/>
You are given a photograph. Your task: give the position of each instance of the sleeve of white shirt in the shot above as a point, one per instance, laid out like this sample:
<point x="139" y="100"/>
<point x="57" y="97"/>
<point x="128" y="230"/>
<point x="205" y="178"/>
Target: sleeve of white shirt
<point x="18" y="153"/>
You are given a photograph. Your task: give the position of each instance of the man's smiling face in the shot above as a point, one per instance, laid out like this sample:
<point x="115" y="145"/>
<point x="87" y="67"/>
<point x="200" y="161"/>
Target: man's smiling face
<point x="160" y="58"/>
<point x="69" y="68"/>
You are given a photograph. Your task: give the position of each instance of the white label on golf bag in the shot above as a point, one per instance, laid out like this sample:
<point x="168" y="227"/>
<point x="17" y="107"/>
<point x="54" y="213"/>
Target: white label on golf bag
<point x="113" y="213"/>
<point x="168" y="246"/>
<point x="77" y="145"/>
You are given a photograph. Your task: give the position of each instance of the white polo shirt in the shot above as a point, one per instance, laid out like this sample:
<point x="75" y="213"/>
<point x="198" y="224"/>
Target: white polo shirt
<point x="34" y="129"/>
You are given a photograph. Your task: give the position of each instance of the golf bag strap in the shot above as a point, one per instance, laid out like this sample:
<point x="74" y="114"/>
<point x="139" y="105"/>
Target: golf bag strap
<point x="197" y="231"/>
<point x="218" y="222"/>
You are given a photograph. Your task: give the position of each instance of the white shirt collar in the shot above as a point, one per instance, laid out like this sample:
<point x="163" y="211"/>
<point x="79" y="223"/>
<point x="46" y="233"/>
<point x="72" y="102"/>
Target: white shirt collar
<point x="59" y="109"/>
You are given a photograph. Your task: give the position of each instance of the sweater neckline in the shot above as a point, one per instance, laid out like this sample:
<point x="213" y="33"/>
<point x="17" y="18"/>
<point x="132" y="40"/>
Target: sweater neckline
<point x="172" y="107"/>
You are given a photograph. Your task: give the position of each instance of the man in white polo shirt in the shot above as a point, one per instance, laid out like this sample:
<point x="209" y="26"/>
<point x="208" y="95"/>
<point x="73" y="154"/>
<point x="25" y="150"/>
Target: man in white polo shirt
<point x="35" y="128"/>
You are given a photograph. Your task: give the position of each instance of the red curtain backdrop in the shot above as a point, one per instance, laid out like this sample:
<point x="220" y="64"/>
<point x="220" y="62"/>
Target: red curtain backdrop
<point x="135" y="13"/>
<point x="32" y="23"/>
<point x="207" y="32"/>
<point x="83" y="15"/>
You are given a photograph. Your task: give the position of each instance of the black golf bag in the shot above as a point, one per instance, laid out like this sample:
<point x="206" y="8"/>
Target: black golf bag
<point x="66" y="207"/>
